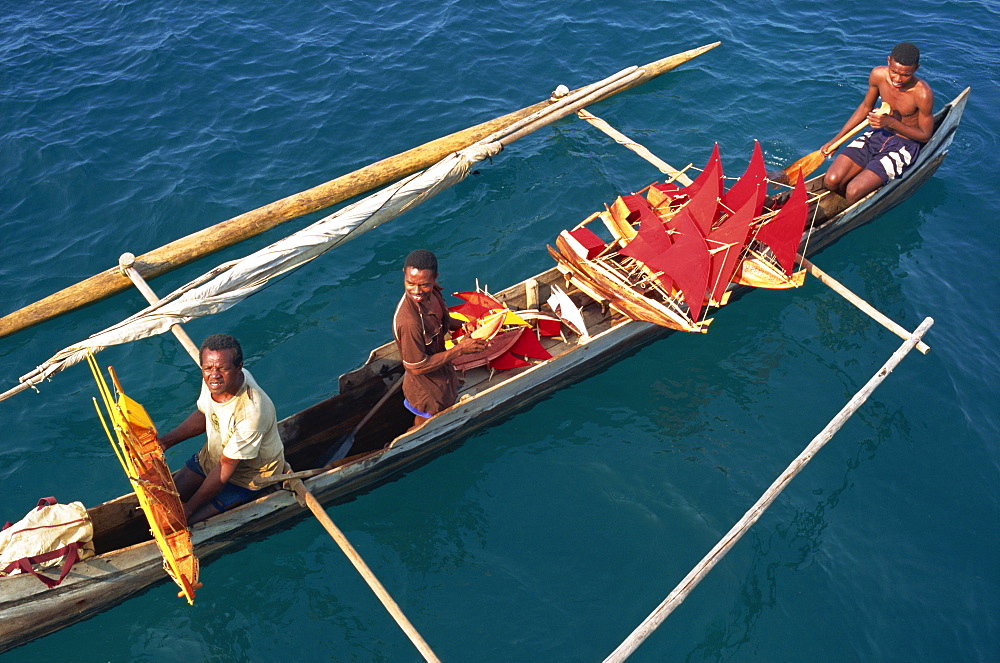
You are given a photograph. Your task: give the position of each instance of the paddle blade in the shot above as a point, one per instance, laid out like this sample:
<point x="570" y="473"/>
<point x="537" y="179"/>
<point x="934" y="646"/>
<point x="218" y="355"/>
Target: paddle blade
<point x="338" y="450"/>
<point x="804" y="166"/>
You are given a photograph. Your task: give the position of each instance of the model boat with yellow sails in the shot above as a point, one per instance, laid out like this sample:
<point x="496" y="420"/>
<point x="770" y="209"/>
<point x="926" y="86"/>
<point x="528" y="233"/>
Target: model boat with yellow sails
<point x="139" y="452"/>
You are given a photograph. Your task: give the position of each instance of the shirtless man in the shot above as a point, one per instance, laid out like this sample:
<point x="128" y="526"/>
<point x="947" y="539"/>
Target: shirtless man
<point x="894" y="140"/>
<point x="430" y="381"/>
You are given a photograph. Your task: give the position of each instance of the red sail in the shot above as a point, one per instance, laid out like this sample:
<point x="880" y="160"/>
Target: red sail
<point x="477" y="304"/>
<point x="685" y="263"/>
<point x="591" y="245"/>
<point x="548" y="327"/>
<point x="704" y="193"/>
<point x="648" y="246"/>
<point x="479" y="299"/>
<point x="507" y="361"/>
<point x="783" y="233"/>
<point x="640" y="209"/>
<point x="470" y="311"/>
<point x="704" y="203"/>
<point x="734" y="230"/>
<point x="711" y="176"/>
<point x="528" y="346"/>
<point x="750" y="185"/>
<point x="649" y="242"/>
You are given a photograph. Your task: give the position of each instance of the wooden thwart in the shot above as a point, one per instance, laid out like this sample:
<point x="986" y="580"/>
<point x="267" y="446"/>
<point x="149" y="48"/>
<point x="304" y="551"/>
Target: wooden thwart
<point x="715" y="555"/>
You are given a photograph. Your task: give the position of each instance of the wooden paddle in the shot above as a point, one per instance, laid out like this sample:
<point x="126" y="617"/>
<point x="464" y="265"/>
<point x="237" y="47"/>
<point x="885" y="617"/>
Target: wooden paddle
<point x="339" y="450"/>
<point x="719" y="551"/>
<point x="343" y="446"/>
<point x="810" y="162"/>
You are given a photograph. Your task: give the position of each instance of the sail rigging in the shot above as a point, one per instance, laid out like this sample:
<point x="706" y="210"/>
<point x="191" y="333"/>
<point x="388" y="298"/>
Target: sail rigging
<point x="675" y="250"/>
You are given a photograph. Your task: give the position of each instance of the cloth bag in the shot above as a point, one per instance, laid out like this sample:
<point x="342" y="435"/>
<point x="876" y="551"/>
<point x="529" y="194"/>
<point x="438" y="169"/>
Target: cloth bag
<point x="50" y="534"/>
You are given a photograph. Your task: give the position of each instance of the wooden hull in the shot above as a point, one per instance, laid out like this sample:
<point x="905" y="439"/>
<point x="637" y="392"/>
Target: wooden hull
<point x="758" y="274"/>
<point x="128" y="561"/>
<point x="588" y="277"/>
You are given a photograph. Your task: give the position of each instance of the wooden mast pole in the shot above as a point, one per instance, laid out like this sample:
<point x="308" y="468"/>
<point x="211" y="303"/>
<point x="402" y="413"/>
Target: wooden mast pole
<point x="227" y="233"/>
<point x="715" y="555"/>
<point x="305" y="497"/>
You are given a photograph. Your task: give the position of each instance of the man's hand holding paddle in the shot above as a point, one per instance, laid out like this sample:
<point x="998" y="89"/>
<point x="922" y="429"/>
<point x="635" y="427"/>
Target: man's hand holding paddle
<point x="810" y="162"/>
<point x="874" y="119"/>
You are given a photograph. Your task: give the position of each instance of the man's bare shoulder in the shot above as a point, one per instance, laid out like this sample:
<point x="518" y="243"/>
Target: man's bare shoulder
<point x="919" y="95"/>
<point x="878" y="77"/>
<point x="922" y="91"/>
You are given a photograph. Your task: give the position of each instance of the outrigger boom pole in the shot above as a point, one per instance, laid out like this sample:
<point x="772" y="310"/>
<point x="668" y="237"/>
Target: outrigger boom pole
<point x="715" y="555"/>
<point x="249" y="224"/>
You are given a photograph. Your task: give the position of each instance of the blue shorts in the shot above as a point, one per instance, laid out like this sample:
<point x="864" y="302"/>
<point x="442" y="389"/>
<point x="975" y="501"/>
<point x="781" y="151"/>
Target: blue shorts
<point x="883" y="152"/>
<point x="230" y="496"/>
<point x="409" y="406"/>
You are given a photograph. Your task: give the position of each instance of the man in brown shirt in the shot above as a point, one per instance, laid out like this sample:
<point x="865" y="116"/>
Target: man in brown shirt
<point x="892" y="144"/>
<point x="430" y="382"/>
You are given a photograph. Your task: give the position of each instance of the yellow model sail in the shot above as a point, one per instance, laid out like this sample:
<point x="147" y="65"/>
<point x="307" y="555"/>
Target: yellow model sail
<point x="140" y="454"/>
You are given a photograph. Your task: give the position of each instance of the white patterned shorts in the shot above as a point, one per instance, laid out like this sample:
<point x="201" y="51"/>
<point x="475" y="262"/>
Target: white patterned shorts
<point x="883" y="152"/>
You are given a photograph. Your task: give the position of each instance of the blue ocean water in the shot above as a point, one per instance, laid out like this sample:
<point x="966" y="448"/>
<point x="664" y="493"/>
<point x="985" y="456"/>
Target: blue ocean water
<point x="550" y="536"/>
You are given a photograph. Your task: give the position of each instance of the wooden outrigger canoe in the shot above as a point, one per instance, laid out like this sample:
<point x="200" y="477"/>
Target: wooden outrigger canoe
<point x="128" y="560"/>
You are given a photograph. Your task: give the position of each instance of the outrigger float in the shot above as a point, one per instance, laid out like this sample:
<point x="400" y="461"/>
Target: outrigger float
<point x="577" y="324"/>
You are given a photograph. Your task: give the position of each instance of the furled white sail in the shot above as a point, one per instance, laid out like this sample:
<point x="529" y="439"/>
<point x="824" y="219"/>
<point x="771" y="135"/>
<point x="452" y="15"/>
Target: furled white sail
<point x="236" y="280"/>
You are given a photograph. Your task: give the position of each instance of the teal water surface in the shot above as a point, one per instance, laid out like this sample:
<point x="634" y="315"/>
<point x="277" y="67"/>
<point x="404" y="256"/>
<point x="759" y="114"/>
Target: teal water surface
<point x="548" y="537"/>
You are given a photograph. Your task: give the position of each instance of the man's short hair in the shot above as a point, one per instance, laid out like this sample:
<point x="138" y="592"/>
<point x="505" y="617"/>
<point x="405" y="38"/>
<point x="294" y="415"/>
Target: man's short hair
<point x="906" y="54"/>
<point x="422" y="259"/>
<point x="217" y="342"/>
